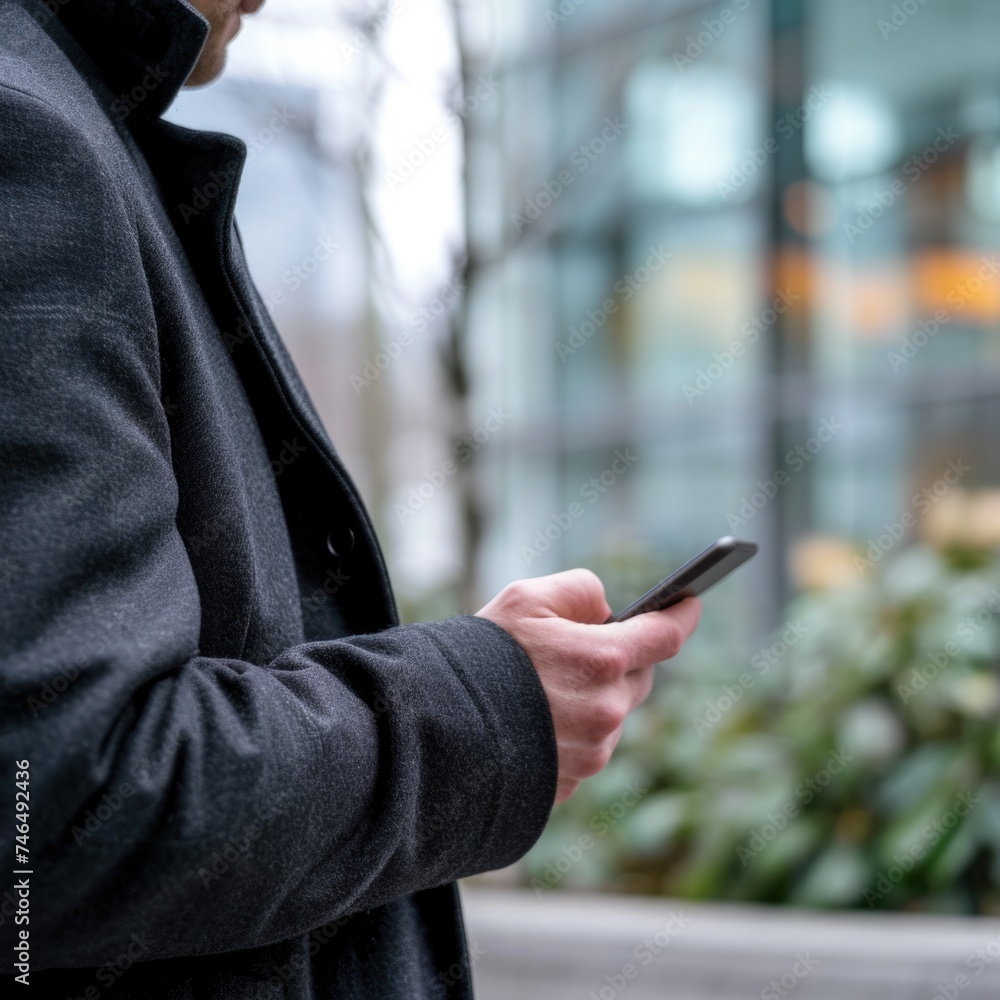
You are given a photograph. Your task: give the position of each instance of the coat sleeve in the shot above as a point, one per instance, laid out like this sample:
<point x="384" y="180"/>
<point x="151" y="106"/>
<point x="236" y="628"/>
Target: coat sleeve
<point x="204" y="804"/>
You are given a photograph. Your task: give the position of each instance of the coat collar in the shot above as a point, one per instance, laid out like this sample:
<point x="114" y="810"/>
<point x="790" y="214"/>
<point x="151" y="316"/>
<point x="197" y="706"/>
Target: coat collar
<point x="144" y="49"/>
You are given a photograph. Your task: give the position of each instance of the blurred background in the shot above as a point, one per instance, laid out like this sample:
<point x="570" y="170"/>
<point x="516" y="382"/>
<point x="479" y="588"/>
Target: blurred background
<point x="579" y="283"/>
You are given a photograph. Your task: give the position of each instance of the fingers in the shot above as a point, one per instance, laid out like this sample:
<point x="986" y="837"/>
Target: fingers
<point x="565" y="787"/>
<point x="588" y="749"/>
<point x="593" y="673"/>
<point x="639" y="684"/>
<point x="656" y="635"/>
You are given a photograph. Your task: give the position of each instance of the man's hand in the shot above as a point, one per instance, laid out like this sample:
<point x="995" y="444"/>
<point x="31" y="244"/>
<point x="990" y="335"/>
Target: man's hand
<point x="593" y="674"/>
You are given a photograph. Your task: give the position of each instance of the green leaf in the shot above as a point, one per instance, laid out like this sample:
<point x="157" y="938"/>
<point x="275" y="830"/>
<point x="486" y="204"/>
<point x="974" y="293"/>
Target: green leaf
<point x="836" y="879"/>
<point x="655" y="821"/>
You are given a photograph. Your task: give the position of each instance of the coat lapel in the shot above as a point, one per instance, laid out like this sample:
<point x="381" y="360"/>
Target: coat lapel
<point x="198" y="174"/>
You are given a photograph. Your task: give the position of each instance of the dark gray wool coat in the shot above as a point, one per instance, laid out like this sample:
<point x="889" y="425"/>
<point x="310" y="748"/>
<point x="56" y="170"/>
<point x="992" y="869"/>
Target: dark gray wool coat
<point x="245" y="778"/>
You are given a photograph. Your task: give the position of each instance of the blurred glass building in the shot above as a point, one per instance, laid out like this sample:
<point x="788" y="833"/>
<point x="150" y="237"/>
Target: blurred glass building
<point x="820" y="341"/>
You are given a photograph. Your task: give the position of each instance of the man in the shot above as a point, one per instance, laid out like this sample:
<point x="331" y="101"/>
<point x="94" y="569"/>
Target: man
<point x="241" y="776"/>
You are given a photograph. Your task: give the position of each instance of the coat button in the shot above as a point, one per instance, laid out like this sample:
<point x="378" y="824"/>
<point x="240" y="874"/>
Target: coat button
<point x="340" y="542"/>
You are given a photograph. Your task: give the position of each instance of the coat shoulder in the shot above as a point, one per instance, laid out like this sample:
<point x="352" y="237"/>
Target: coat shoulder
<point x="30" y="59"/>
<point x="71" y="276"/>
<point x="42" y="90"/>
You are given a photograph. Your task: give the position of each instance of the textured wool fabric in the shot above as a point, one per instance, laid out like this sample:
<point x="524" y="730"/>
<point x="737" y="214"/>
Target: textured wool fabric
<point x="246" y="778"/>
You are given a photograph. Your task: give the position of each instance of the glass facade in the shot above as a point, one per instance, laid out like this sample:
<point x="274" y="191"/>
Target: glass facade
<point x="739" y="277"/>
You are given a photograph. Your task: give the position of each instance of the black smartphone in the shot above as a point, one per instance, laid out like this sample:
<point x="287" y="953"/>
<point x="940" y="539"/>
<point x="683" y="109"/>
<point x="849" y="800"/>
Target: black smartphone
<point x="693" y="578"/>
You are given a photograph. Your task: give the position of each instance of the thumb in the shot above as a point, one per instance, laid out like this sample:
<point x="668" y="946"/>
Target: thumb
<point x="574" y="594"/>
<point x="658" y="635"/>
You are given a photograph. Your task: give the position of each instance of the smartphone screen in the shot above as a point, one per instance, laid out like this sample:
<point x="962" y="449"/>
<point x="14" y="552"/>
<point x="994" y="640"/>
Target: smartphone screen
<point x="693" y="578"/>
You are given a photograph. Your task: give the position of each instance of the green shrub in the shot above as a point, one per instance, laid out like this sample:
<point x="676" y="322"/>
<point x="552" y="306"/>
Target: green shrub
<point x="857" y="767"/>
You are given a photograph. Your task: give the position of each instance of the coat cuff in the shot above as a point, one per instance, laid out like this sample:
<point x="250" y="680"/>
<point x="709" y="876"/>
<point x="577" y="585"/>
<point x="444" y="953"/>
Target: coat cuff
<point x="517" y="776"/>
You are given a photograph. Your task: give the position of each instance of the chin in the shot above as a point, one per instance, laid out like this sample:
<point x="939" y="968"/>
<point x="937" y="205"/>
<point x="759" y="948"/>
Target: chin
<point x="207" y="69"/>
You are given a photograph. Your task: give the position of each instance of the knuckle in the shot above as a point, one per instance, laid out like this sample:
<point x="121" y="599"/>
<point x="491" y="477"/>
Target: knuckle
<point x="517" y="593"/>
<point x="592" y="763"/>
<point x="608" y="659"/>
<point x="589" y="578"/>
<point x="645" y="686"/>
<point x="598" y="758"/>
<point x="566" y="788"/>
<point x="587" y="583"/>
<point x="673" y="640"/>
<point x="603" y="720"/>
<point x="607" y="717"/>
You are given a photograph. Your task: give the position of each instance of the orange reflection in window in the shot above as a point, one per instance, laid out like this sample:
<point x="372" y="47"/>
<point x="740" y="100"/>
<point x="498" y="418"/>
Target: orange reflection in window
<point x="876" y="298"/>
<point x="965" y="283"/>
